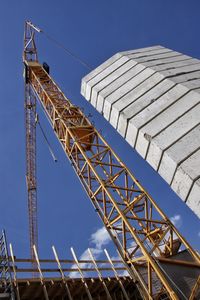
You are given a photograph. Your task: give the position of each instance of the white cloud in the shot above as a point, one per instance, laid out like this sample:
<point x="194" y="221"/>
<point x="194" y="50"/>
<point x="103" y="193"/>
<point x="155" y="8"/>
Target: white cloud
<point x="85" y="256"/>
<point x="100" y="238"/>
<point x="199" y="234"/>
<point x="176" y="220"/>
<point x="124" y="273"/>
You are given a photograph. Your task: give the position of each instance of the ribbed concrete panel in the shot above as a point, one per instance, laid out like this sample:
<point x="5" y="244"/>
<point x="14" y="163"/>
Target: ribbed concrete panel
<point x="178" y="152"/>
<point x="193" y="198"/>
<point x="152" y="97"/>
<point x="186" y="175"/>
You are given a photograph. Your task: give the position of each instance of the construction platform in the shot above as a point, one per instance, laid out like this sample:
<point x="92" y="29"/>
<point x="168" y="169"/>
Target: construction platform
<point x="152" y="97"/>
<point x="55" y="278"/>
<point x="90" y="278"/>
<point x="23" y="279"/>
<point x="56" y="289"/>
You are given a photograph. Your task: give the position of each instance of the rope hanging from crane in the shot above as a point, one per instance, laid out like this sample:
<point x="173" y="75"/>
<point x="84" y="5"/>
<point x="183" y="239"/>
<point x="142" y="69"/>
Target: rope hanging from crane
<point x="45" y="138"/>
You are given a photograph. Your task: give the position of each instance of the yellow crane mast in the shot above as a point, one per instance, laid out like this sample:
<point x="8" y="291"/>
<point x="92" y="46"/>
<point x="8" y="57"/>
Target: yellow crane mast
<point x="144" y="236"/>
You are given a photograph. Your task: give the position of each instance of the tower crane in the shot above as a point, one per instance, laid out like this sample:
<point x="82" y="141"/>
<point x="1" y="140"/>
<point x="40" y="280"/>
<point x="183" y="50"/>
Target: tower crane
<point x="30" y="126"/>
<point x="145" y="237"/>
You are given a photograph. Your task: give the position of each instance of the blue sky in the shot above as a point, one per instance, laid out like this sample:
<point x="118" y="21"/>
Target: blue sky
<point x="94" y="30"/>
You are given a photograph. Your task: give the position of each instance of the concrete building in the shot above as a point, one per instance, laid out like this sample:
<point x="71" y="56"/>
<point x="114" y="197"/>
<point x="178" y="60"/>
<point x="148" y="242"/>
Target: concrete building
<point x="152" y="97"/>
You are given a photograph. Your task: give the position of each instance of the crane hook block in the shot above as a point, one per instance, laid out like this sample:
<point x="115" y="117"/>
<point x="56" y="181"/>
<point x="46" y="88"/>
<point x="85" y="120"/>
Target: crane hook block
<point x="46" y="67"/>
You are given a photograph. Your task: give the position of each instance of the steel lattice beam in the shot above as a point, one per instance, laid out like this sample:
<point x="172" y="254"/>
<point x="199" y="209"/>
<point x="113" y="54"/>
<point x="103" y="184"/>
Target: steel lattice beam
<point x="140" y="230"/>
<point x="31" y="179"/>
<point x="30" y="53"/>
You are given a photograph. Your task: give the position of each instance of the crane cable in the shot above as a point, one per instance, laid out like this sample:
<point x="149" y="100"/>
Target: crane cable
<point x="69" y="52"/>
<point x="45" y="137"/>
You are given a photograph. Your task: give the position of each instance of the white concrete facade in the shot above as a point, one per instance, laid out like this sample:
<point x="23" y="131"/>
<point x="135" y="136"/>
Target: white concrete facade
<point x="152" y="97"/>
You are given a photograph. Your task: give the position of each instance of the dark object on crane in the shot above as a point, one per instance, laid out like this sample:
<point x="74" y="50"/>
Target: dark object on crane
<point x="25" y="73"/>
<point x="46" y="67"/>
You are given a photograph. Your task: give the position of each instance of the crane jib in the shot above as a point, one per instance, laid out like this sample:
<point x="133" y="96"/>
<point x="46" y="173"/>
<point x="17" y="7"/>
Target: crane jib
<point x="138" y="227"/>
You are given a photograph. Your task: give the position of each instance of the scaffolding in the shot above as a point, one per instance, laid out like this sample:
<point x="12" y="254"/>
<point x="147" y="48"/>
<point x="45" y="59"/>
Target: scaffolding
<point x="6" y="284"/>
